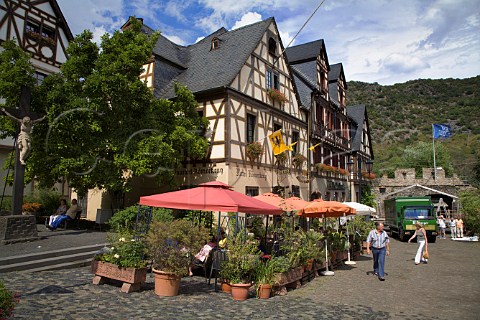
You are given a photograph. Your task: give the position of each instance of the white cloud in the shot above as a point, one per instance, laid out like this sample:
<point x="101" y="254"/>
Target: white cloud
<point x="401" y="63"/>
<point x="199" y="39"/>
<point x="175" y="39"/>
<point x="376" y="40"/>
<point x="286" y="38"/>
<point x="247" y="18"/>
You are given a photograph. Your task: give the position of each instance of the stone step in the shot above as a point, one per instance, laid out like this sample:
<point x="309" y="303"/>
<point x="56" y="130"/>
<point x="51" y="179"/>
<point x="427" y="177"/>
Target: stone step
<point x="65" y="265"/>
<point x="49" y="254"/>
<point x="49" y="263"/>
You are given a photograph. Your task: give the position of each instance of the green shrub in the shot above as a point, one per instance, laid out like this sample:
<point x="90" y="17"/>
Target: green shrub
<point x="124" y="220"/>
<point x="8" y="300"/>
<point x="50" y="200"/>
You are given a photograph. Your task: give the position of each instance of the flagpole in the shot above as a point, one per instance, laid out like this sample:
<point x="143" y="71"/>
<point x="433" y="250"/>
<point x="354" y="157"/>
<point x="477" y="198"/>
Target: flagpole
<point x="434" y="160"/>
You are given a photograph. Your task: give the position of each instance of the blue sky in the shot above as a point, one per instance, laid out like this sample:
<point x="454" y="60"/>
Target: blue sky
<point x="384" y="41"/>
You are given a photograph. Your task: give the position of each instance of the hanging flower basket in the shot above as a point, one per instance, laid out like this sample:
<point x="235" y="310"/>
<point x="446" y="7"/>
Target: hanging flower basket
<point x="281" y="158"/>
<point x="368" y="175"/>
<point x="298" y="160"/>
<point x="276" y="95"/>
<point x="254" y="150"/>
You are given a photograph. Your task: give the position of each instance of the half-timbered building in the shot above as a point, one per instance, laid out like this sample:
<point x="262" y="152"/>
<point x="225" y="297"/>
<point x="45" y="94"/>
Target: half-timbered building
<point x="244" y="87"/>
<point x="332" y="129"/>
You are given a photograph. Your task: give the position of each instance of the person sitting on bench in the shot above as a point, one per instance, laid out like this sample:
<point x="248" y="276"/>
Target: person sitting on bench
<point x="70" y="215"/>
<point x="59" y="212"/>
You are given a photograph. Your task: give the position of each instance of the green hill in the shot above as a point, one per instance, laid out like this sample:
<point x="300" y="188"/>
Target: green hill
<point x="403" y="114"/>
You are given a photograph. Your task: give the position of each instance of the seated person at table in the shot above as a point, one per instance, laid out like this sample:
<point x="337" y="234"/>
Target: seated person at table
<point x="202" y="255"/>
<point x="69" y="215"/>
<point x="59" y="212"/>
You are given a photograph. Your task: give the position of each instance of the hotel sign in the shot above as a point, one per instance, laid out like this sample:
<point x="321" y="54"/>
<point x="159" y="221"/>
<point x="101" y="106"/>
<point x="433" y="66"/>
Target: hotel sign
<point x="250" y="174"/>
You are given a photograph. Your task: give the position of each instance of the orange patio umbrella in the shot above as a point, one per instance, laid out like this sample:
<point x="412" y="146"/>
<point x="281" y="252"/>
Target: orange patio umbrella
<point x="326" y="209"/>
<point x="296" y="202"/>
<point x="289" y="204"/>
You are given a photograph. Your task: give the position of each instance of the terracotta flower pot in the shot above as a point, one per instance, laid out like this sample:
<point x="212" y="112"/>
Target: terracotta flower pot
<point x="240" y="290"/>
<point x="166" y="284"/>
<point x="226" y="287"/>
<point x="264" y="291"/>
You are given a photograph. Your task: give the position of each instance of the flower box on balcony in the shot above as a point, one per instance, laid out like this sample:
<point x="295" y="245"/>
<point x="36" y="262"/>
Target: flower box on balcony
<point x="276" y="95"/>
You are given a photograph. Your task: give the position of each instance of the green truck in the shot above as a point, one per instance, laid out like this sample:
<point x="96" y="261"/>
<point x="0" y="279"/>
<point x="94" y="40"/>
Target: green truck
<point x="402" y="213"/>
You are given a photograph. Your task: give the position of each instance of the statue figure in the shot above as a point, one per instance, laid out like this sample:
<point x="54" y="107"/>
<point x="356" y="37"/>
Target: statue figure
<point x="23" y="139"/>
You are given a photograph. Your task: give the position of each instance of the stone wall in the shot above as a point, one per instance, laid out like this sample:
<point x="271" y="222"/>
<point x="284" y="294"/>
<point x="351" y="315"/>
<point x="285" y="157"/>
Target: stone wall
<point x="15" y="228"/>
<point x="404" y="178"/>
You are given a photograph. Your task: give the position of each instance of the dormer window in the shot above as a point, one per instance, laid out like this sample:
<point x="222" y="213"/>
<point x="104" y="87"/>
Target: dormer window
<point x="215" y="44"/>
<point x="272" y="46"/>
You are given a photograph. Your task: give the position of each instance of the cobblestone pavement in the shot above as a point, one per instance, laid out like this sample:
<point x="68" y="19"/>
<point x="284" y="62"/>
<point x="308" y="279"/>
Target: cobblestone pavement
<point x="449" y="282"/>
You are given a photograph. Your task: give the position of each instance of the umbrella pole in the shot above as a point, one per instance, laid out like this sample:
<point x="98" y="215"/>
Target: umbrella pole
<point x="219" y="233"/>
<point x="266" y="231"/>
<point x="326" y="272"/>
<point x="348" y="262"/>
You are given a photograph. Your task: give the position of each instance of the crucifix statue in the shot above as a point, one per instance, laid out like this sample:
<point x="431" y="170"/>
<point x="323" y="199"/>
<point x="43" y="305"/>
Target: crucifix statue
<point x="26" y="119"/>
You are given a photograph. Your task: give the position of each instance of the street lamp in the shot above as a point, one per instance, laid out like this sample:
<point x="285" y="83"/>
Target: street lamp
<point x="350" y="168"/>
<point x="369" y="164"/>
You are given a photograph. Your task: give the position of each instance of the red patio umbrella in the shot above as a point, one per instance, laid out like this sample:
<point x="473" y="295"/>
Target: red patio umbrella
<point x="210" y="196"/>
<point x="327" y="209"/>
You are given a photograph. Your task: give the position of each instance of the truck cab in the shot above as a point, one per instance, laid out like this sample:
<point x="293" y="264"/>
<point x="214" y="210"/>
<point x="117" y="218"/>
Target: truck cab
<point x="402" y="213"/>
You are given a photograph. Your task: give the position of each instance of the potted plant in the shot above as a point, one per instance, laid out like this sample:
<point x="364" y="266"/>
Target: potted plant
<point x="266" y="274"/>
<point x="239" y="269"/>
<point x="123" y="260"/>
<point x="254" y="150"/>
<point x="171" y="246"/>
<point x="338" y="243"/>
<point x="298" y="160"/>
<point x="312" y="242"/>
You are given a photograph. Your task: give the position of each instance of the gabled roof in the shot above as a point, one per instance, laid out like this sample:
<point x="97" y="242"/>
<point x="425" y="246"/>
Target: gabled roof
<point x="61" y="18"/>
<point x="306" y="52"/>
<point x="208" y="69"/>
<point x="167" y="49"/>
<point x="358" y="114"/>
<point x="419" y="186"/>
<point x="304" y="85"/>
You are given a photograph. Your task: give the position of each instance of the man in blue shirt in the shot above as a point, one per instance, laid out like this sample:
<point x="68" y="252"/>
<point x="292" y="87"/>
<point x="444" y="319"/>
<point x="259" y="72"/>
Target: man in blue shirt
<point x="380" y="243"/>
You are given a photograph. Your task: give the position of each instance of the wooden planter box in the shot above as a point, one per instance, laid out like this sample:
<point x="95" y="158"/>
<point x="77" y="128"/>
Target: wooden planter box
<point x="290" y="279"/>
<point x="132" y="278"/>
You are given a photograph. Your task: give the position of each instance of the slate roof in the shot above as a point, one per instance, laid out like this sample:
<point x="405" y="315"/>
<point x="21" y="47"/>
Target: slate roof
<point x="208" y="69"/>
<point x="358" y="114"/>
<point x="305" y="52"/>
<point x="335" y="71"/>
<point x="304" y="84"/>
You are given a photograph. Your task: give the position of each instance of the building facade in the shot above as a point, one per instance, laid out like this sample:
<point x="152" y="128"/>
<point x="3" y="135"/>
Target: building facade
<point x="249" y="87"/>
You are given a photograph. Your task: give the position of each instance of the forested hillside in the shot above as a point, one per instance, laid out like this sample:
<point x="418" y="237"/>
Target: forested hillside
<point x="402" y="115"/>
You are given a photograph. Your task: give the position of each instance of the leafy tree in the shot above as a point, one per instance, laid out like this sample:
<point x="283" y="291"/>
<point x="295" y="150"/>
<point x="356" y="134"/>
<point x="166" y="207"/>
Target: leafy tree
<point x="15" y="71"/>
<point x="368" y="198"/>
<point x="104" y="126"/>
<point x="420" y="155"/>
<point x="471" y="210"/>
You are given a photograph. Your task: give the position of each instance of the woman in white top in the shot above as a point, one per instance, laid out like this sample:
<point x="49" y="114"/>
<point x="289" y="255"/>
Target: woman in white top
<point x="421" y="236"/>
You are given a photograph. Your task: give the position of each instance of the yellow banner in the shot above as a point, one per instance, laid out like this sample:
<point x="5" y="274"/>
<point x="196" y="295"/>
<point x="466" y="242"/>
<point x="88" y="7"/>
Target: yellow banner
<point x="312" y="148"/>
<point x="278" y="146"/>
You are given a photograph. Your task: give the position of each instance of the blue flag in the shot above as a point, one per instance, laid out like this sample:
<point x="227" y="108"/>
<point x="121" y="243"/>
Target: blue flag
<point x="441" y="131"/>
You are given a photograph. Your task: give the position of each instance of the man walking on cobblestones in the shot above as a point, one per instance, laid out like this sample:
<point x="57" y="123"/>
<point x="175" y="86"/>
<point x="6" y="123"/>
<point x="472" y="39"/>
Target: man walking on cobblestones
<point x="380" y="243"/>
